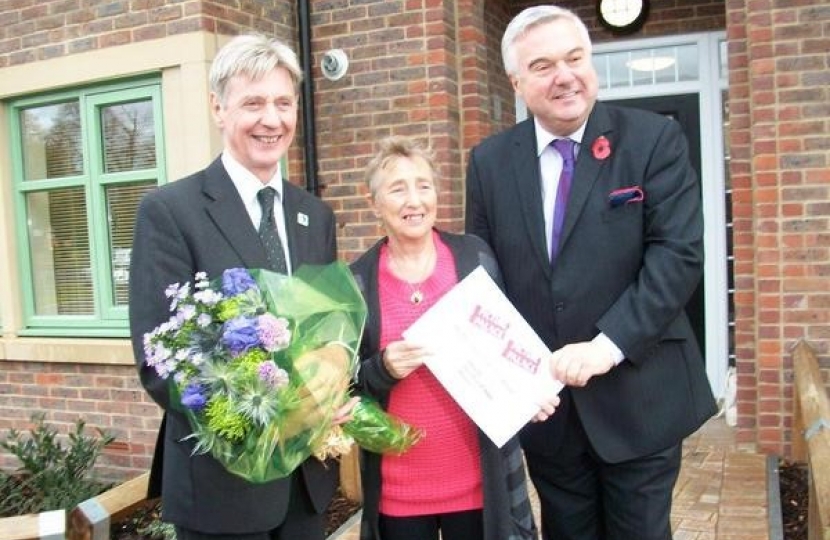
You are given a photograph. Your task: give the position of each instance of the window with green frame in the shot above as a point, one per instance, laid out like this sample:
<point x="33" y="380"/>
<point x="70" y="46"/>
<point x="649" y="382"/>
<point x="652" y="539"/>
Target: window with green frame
<point x="82" y="160"/>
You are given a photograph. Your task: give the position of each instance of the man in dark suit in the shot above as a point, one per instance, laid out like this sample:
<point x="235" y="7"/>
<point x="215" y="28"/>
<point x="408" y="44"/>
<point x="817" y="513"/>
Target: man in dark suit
<point x="603" y="283"/>
<point x="211" y="221"/>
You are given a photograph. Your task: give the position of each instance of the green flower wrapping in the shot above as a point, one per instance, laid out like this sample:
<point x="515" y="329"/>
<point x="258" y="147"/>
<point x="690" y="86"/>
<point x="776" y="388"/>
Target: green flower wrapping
<point x="379" y="432"/>
<point x="260" y="362"/>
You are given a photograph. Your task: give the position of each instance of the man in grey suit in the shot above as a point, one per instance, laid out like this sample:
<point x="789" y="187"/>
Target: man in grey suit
<point x="603" y="279"/>
<point x="211" y="221"/>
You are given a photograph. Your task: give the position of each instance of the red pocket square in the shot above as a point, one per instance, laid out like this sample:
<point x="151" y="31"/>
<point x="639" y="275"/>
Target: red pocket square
<point x="628" y="195"/>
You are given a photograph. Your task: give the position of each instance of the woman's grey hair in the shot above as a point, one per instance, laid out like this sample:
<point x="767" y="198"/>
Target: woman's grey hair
<point x="254" y="56"/>
<point x="392" y="148"/>
<point x="528" y="19"/>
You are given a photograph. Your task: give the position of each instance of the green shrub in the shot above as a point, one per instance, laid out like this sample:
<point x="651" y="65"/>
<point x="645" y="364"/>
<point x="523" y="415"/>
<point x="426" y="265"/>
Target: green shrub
<point x="51" y="476"/>
<point x="159" y="530"/>
<point x="144" y="522"/>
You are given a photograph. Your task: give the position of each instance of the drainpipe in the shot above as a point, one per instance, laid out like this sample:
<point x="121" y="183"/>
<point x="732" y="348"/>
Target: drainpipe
<point x="309" y="132"/>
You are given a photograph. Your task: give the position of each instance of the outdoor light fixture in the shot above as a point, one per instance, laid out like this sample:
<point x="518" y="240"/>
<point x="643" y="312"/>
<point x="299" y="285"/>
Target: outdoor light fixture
<point x="334" y="64"/>
<point x="651" y="63"/>
<point x="622" y="16"/>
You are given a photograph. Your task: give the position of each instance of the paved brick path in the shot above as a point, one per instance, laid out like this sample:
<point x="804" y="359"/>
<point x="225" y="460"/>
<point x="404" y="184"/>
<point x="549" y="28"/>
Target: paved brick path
<point x="721" y="493"/>
<point x="722" y="490"/>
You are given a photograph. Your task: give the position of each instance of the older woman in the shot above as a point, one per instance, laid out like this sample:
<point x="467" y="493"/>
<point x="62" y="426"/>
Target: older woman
<point x="454" y="482"/>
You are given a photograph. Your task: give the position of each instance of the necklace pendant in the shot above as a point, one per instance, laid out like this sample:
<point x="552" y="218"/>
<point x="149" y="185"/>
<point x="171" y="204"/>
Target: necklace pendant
<point x="417" y="297"/>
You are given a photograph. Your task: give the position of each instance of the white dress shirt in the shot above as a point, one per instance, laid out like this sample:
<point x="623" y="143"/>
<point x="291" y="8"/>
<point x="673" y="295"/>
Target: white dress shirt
<point x="248" y="186"/>
<point x="550" y="167"/>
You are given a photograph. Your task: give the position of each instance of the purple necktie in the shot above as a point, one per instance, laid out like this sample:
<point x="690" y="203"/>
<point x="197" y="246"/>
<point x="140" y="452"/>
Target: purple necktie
<point x="565" y="147"/>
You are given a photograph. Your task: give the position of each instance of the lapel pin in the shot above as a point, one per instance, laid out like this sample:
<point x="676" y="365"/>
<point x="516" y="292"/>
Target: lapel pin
<point x="302" y="219"/>
<point x="601" y="148"/>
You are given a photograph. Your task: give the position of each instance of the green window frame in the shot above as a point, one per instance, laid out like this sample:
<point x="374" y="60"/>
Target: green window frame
<point x="81" y="161"/>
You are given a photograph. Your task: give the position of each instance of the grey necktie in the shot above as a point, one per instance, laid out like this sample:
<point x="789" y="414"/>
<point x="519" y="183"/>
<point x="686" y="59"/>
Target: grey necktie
<point x="268" y="231"/>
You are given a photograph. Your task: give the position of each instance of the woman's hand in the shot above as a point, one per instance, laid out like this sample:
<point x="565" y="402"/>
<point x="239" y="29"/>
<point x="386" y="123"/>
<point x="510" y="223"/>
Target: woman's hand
<point x="400" y="358"/>
<point x="546" y="409"/>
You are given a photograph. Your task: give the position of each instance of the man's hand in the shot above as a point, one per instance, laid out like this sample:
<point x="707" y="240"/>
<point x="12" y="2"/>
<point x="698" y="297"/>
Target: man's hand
<point x="344" y="413"/>
<point x="575" y="364"/>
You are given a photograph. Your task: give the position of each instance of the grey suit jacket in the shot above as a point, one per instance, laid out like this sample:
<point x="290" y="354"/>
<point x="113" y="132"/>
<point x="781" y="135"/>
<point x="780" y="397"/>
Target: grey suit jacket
<point x="626" y="267"/>
<point x="197" y="224"/>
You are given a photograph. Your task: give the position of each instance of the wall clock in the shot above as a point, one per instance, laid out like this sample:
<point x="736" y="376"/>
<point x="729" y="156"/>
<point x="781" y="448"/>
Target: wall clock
<point x="622" y="16"/>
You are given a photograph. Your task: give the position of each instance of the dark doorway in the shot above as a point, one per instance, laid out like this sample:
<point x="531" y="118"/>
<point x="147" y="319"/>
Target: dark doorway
<point x="684" y="108"/>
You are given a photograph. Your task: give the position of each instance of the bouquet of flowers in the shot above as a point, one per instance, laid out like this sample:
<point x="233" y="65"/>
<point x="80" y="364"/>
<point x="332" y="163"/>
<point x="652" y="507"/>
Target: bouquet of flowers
<point x="259" y="362"/>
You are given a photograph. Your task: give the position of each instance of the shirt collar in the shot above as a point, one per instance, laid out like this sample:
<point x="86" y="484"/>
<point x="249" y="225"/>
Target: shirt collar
<point x="545" y="137"/>
<point x="246" y="183"/>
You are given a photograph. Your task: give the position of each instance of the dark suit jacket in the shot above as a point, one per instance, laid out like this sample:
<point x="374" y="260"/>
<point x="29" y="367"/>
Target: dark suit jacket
<point x="625" y="270"/>
<point x="197" y="224"/>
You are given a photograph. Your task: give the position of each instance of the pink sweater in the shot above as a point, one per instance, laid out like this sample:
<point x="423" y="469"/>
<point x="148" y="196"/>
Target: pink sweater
<point x="442" y="473"/>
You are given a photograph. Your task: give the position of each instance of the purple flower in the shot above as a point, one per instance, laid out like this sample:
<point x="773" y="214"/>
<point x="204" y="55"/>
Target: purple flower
<point x="193" y="397"/>
<point x="275" y="377"/>
<point x="236" y="281"/>
<point x="156" y="355"/>
<point x="273" y="332"/>
<point x="240" y="334"/>
<point x="177" y="294"/>
<point x="171" y="290"/>
<point x="185" y="313"/>
<point x="208" y="297"/>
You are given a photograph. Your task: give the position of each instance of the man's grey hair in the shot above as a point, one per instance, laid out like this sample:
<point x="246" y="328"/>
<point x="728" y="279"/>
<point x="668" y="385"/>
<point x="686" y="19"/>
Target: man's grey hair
<point x="528" y="19"/>
<point x="254" y="56"/>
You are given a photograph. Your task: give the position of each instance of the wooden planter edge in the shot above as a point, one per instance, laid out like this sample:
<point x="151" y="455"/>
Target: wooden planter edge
<point x="90" y="520"/>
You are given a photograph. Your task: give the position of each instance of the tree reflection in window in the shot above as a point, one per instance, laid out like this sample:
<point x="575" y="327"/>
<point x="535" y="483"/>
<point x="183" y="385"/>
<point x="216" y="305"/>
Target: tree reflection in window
<point x="52" y="141"/>
<point x="128" y="137"/>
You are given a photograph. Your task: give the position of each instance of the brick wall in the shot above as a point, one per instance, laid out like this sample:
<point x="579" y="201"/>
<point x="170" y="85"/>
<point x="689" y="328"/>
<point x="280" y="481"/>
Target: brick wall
<point x="432" y="68"/>
<point x="32" y="30"/>
<point x="416" y="68"/>
<point x="780" y="171"/>
<point x="487" y="93"/>
<point x="106" y="397"/>
<point x="399" y="81"/>
<point x="666" y="17"/>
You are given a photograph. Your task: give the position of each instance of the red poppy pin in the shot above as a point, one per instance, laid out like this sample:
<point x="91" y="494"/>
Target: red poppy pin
<point x="601" y="148"/>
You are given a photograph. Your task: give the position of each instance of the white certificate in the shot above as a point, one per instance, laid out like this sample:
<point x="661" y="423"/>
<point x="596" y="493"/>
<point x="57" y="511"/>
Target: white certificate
<point x="486" y="356"/>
